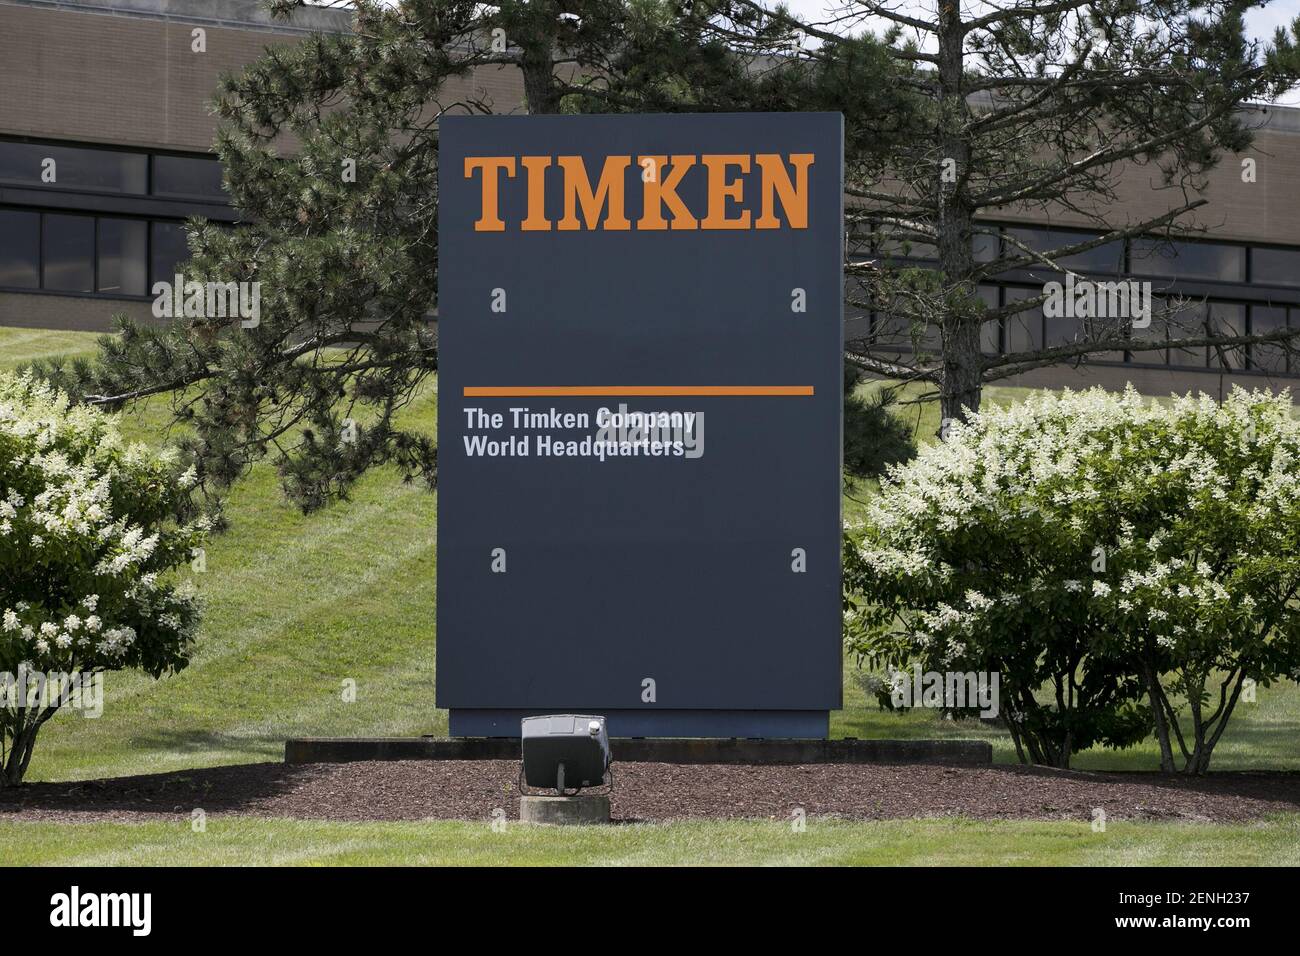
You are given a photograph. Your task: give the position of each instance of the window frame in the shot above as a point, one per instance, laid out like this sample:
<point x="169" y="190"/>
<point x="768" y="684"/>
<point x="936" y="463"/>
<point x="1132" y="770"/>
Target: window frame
<point x="41" y="288"/>
<point x="38" y="246"/>
<point x="149" y="156"/>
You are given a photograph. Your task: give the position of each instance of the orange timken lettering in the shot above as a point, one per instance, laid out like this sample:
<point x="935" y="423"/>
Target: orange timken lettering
<point x="742" y="191"/>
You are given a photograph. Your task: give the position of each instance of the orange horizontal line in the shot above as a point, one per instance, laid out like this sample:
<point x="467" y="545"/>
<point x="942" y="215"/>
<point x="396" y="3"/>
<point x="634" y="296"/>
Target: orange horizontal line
<point x="614" y="391"/>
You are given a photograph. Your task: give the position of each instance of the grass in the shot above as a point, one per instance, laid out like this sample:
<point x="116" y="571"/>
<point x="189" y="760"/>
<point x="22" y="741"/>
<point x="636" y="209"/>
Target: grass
<point x="297" y="605"/>
<point x="947" y="842"/>
<point x="1262" y="735"/>
<point x="25" y="345"/>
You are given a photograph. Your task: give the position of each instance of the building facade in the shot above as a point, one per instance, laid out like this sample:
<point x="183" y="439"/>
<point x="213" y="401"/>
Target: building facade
<point x="1241" y="273"/>
<point x="105" y="138"/>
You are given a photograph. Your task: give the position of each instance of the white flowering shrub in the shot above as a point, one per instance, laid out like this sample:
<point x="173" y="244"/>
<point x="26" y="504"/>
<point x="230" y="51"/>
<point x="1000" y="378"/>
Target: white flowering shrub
<point x="89" y="531"/>
<point x="1127" y="566"/>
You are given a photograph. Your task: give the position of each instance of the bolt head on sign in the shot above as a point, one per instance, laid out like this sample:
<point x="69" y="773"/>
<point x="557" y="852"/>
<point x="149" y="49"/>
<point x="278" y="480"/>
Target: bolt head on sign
<point x="633" y="409"/>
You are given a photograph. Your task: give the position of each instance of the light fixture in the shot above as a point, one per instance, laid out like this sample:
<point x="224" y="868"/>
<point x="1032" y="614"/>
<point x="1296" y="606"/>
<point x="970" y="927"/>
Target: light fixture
<point x="564" y="752"/>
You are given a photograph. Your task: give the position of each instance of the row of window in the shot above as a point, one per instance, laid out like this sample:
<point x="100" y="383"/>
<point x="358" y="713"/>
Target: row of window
<point x="1139" y="257"/>
<point x="61" y="252"/>
<point x="1032" y="330"/>
<point x="83" y="168"/>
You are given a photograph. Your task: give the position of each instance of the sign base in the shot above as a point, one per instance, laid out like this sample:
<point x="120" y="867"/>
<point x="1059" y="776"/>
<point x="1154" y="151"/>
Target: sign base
<point x="564" y="811"/>
<point x="770" y="724"/>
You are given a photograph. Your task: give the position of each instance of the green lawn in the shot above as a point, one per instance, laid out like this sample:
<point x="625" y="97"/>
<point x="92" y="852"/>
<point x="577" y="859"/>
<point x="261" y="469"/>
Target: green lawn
<point x="297" y="605"/>
<point x="236" y="841"/>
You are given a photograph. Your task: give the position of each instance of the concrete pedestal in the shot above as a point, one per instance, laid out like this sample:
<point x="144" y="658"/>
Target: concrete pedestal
<point x="580" y="809"/>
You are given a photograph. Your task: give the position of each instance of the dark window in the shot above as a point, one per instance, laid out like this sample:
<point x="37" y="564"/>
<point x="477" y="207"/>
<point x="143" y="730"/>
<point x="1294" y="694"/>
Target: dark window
<point x="857" y="311"/>
<point x="1103" y="260"/>
<point x="104" y="170"/>
<point x="169" y="250"/>
<point x="888" y="245"/>
<point x="123" y="256"/>
<point x="1188" y="260"/>
<point x="857" y="238"/>
<point x="21" y="162"/>
<point x="1024" y="330"/>
<point x="20" y="249"/>
<point x="1111" y="308"/>
<point x="1275" y="266"/>
<point x="1188" y="321"/>
<point x="1263" y="319"/>
<point x="1154" y="331"/>
<point x="857" y="328"/>
<point x="1191" y="356"/>
<point x="69" y="253"/>
<point x="1062" y="329"/>
<point x="893" y="245"/>
<point x="1228" y="319"/>
<point x="930" y="339"/>
<point x="890" y="332"/>
<point x="990" y="331"/>
<point x="187" y="176"/>
<point x="1111" y="356"/>
<point x="855" y="298"/>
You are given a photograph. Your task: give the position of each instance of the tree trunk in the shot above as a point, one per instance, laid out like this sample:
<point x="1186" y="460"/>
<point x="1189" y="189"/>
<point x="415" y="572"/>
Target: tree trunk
<point x="539" y="87"/>
<point x="1199" y="762"/>
<point x="19" y="756"/>
<point x="962" y="375"/>
<point x="1015" y="737"/>
<point x="960" y="387"/>
<point x="1158" y="715"/>
<point x="538" y="67"/>
<point x="1199" y="753"/>
<point x="26" y="723"/>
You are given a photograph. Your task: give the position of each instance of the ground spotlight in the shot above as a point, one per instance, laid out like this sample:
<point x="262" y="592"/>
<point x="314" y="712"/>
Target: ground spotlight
<point x="565" y="752"/>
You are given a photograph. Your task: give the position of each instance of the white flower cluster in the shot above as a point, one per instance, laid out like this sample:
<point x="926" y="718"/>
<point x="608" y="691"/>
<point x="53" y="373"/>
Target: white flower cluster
<point x="1021" y="498"/>
<point x="59" y="524"/>
<point x="60" y="639"/>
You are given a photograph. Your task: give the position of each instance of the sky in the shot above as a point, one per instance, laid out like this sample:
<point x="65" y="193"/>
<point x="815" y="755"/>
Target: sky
<point x="1261" y="22"/>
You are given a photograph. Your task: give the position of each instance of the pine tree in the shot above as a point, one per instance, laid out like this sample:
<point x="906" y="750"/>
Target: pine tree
<point x="330" y="152"/>
<point x="1043" y="106"/>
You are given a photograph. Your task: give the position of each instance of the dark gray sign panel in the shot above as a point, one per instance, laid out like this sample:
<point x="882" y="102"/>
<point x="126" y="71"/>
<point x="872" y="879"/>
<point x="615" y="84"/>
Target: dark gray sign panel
<point x="640" y="422"/>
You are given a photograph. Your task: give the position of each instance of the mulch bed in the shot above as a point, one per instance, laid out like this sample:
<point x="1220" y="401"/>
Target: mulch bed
<point x="472" y="789"/>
